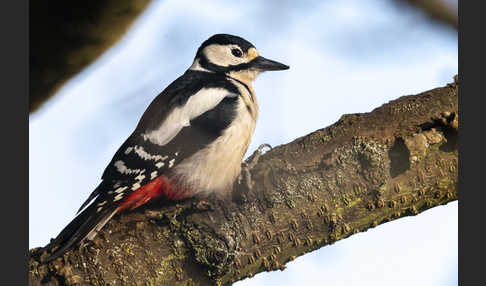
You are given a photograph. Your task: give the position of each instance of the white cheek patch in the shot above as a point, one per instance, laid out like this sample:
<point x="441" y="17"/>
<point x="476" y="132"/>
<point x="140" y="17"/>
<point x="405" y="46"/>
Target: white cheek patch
<point x="180" y="117"/>
<point x="221" y="55"/>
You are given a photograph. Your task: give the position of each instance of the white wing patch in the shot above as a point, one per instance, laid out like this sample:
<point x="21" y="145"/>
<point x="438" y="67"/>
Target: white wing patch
<point x="118" y="197"/>
<point x="101" y="204"/>
<point x="140" y="177"/>
<point x="121" y="189"/>
<point x="120" y="166"/>
<point x="147" y="156"/>
<point x="171" y="163"/>
<point x="153" y="175"/>
<point x="204" y="100"/>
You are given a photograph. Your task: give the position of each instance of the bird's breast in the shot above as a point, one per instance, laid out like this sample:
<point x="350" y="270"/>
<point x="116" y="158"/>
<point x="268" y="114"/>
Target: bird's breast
<point x="216" y="167"/>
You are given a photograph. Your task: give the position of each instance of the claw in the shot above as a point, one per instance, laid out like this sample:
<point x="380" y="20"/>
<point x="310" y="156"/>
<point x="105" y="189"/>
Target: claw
<point x="264" y="145"/>
<point x="245" y="175"/>
<point x="253" y="159"/>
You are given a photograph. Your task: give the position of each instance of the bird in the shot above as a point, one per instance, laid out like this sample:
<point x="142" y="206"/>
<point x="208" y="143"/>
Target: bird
<point x="190" y="141"/>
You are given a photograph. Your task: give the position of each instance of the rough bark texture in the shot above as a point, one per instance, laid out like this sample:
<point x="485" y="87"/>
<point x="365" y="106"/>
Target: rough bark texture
<point x="66" y="36"/>
<point x="364" y="170"/>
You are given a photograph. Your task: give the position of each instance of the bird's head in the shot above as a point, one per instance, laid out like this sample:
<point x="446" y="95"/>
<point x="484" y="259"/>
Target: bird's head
<point x="233" y="55"/>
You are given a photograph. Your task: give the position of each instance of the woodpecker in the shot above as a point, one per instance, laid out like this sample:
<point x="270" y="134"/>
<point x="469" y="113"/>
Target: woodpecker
<point x="189" y="141"/>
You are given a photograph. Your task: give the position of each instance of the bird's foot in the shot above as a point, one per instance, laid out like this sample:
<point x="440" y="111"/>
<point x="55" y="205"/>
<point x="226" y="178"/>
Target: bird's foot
<point x="253" y="159"/>
<point x="245" y="176"/>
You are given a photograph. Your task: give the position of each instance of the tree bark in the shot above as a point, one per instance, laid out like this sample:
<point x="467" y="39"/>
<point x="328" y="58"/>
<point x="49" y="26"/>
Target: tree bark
<point x="364" y="170"/>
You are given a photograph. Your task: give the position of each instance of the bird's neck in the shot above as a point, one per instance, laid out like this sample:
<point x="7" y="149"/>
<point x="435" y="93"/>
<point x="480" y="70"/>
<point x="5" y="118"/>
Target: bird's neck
<point x="245" y="76"/>
<point x="196" y="66"/>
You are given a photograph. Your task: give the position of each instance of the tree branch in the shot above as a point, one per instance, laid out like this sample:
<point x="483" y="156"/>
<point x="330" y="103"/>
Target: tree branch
<point x="364" y="170"/>
<point x="67" y="36"/>
<point x="437" y="10"/>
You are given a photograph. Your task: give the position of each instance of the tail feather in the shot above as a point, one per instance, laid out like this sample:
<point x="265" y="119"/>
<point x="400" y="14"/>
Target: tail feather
<point x="90" y="220"/>
<point x="93" y="195"/>
<point x="101" y="224"/>
<point x="85" y="225"/>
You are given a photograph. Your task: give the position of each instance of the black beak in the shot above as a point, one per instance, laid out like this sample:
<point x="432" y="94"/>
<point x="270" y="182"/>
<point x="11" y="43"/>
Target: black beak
<point x="264" y="64"/>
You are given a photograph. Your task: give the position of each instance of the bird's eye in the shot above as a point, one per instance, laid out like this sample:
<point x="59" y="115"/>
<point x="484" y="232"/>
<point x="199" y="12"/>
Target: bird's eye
<point x="236" y="53"/>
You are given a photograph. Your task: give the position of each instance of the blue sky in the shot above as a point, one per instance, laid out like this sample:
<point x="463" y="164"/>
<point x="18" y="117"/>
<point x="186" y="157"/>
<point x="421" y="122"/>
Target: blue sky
<point x="346" y="56"/>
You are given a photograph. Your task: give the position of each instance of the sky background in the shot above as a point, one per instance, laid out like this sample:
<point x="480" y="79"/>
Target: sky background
<point x="345" y="56"/>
